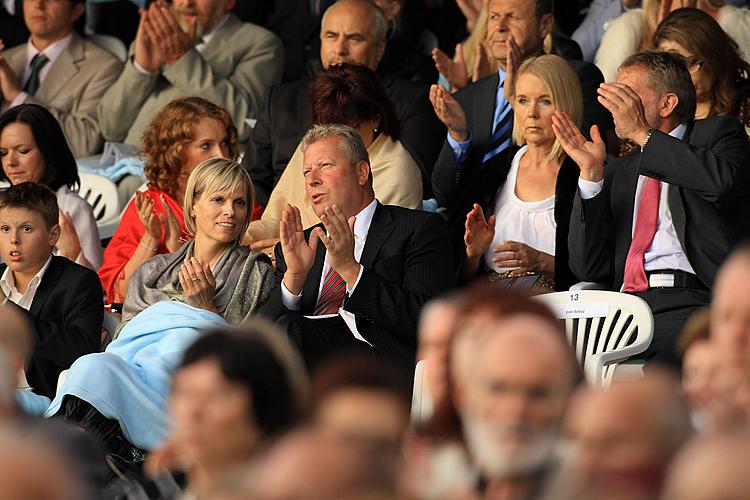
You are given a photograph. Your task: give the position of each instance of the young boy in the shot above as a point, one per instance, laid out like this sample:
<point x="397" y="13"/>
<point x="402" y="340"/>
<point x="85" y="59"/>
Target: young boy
<point x="62" y="300"/>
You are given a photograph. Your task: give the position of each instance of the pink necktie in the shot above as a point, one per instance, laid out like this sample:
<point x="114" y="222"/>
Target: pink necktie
<point x="331" y="295"/>
<point x="643" y="235"/>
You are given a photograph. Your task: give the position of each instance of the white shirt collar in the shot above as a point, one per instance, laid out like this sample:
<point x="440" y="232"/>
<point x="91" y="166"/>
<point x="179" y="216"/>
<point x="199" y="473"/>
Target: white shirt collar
<point x="679" y="131"/>
<point x="52" y="52"/>
<point x="206" y="38"/>
<point x="364" y="219"/>
<point x="8" y="283"/>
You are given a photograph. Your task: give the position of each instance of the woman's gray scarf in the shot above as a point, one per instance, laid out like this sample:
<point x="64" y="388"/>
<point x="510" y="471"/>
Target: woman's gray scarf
<point x="244" y="281"/>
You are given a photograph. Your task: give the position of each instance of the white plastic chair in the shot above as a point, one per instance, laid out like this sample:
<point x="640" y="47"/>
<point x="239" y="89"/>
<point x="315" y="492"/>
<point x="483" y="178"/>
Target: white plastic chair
<point x="101" y="194"/>
<point x="604" y="328"/>
<point x="111" y="44"/>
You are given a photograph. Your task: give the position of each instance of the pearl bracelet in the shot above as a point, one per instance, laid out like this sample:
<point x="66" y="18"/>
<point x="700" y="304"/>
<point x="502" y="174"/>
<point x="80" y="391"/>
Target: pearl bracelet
<point x="150" y="249"/>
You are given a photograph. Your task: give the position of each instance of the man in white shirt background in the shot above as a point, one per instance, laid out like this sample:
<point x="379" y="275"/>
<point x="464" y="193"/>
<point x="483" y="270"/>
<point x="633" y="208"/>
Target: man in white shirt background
<point x="659" y="221"/>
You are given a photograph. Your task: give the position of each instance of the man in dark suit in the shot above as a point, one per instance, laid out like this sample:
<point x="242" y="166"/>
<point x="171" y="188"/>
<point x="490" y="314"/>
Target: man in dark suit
<point x="477" y="151"/>
<point x="353" y="31"/>
<point x="62" y="300"/>
<point x="368" y="267"/>
<point x="659" y="221"/>
<point x="13" y="30"/>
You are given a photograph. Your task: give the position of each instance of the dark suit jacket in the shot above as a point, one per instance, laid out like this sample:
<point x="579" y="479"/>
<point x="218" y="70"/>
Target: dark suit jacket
<point x="709" y="197"/>
<point x="406" y="261"/>
<point x="287" y="117"/>
<point x="456" y="185"/>
<point x="66" y="321"/>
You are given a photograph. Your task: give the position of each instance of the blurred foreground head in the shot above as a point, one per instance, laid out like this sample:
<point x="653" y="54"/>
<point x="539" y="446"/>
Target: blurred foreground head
<point x="626" y="437"/>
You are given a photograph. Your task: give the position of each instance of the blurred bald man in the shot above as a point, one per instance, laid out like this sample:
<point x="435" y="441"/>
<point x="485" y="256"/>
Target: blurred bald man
<point x="511" y="402"/>
<point x="626" y="437"/>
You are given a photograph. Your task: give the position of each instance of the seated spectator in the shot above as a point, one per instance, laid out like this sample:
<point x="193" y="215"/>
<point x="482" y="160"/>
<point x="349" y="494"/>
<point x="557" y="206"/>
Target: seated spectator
<point x="33" y="149"/>
<point x="402" y="57"/>
<point x="511" y="373"/>
<point x="183" y="134"/>
<point x="348" y="94"/>
<point x="234" y="393"/>
<point x="62" y="300"/>
<point x="662" y="218"/>
<point x="190" y="48"/>
<point x="720" y="75"/>
<point x="362" y="402"/>
<point x="477" y="152"/>
<point x="527" y="233"/>
<point x="626" y="437"/>
<point x="377" y="264"/>
<point x="121" y="394"/>
<point x="353" y="31"/>
<point x="61" y="71"/>
<point x="710" y="468"/>
<point x="598" y="18"/>
<point x="633" y="31"/>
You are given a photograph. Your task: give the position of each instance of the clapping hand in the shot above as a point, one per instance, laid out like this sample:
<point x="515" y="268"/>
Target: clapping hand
<point x="9" y="85"/>
<point x="627" y="111"/>
<point x="512" y="61"/>
<point x="589" y="155"/>
<point x="450" y="112"/>
<point x="162" y="27"/>
<point x="144" y="204"/>
<point x="171" y="226"/>
<point x="299" y="254"/>
<point x="146" y="54"/>
<point x="198" y="284"/>
<point x="339" y="243"/>
<point x="68" y="245"/>
<point x="453" y="70"/>
<point x="479" y="232"/>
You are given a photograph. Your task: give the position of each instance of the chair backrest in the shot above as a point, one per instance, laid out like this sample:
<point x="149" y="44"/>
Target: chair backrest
<point x="101" y="194"/>
<point x="604" y="328"/>
<point x="417" y="395"/>
<point x="111" y="44"/>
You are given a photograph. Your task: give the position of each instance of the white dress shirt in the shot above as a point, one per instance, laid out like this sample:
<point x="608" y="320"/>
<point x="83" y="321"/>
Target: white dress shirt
<point x="24" y="300"/>
<point x="52" y="52"/>
<point x="361" y="229"/>
<point x="665" y="251"/>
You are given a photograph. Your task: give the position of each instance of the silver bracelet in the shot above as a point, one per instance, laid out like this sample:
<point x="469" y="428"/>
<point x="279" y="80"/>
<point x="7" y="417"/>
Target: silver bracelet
<point x="150" y="249"/>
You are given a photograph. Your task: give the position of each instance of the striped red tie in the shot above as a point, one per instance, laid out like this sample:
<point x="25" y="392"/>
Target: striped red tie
<point x="331" y="295"/>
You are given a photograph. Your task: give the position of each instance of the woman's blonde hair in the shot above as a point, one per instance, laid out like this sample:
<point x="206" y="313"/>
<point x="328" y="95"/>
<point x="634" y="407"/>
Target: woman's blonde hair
<point x="479" y="34"/>
<point x="165" y="138"/>
<point x="564" y="88"/>
<point x="217" y="175"/>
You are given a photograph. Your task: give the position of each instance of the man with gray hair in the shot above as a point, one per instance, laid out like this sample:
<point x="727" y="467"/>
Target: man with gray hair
<point x="359" y="279"/>
<point x="661" y="219"/>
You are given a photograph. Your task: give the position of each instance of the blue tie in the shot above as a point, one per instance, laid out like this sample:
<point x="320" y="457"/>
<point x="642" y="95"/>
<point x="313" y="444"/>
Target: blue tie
<point x="503" y="125"/>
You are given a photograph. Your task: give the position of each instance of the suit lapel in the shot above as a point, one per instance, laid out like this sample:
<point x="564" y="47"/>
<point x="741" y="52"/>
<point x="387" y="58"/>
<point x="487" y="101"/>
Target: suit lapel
<point x="674" y="200"/>
<point x="63" y="70"/>
<point x="215" y="51"/>
<point x="312" y="283"/>
<point x="381" y="228"/>
<point x="49" y="280"/>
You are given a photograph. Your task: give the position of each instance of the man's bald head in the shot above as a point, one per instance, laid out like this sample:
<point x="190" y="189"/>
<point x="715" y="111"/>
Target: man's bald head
<point x="353" y="31"/>
<point x="626" y="436"/>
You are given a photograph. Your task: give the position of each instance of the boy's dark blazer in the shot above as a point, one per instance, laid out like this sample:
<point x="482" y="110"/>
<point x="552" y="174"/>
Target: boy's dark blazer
<point x="66" y="321"/>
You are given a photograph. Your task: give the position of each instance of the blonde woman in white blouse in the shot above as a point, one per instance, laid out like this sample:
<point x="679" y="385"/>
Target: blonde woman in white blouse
<point x="33" y="149"/>
<point x="526" y="232"/>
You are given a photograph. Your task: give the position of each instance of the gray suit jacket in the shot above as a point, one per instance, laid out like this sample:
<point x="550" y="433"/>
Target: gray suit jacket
<point x="72" y="89"/>
<point x="235" y="70"/>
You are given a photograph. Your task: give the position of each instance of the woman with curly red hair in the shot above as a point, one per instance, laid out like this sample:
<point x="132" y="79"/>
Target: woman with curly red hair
<point x="182" y="135"/>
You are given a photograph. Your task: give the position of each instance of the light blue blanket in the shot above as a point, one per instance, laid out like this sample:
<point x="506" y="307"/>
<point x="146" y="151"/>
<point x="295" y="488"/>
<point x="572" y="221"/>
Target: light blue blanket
<point x="130" y="381"/>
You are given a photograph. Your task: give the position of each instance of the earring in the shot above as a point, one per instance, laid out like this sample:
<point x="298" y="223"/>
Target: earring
<point x="375" y="131"/>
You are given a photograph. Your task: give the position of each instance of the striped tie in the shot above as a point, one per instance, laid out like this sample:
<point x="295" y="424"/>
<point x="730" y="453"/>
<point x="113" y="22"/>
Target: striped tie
<point x="500" y="139"/>
<point x="331" y="295"/>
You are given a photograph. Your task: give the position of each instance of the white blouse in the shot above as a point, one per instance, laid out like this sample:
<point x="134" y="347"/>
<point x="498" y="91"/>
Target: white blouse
<point x="530" y="222"/>
<point x="84" y="222"/>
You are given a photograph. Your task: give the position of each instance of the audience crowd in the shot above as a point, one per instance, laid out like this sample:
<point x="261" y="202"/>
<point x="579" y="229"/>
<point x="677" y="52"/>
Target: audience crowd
<point x="332" y="278"/>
